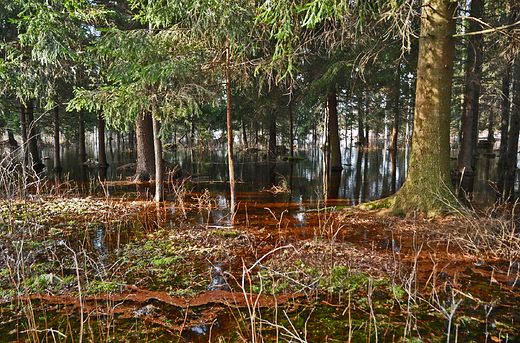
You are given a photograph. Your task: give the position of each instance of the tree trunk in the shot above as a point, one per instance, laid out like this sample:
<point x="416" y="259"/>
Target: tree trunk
<point x="145" y="150"/>
<point x="159" y="170"/>
<point x="367" y="135"/>
<point x="244" y="135"/>
<point x="229" y="118"/>
<point x="57" y="160"/>
<point x="361" y="134"/>
<point x="35" y="159"/>
<point x="491" y="134"/>
<point x="81" y="139"/>
<point x="23" y="133"/>
<point x="428" y="185"/>
<point x="468" y="149"/>
<point x="102" y="156"/>
<point x="291" y="130"/>
<point x="505" y="105"/>
<point x="397" y="94"/>
<point x="273" y="151"/>
<point x="512" y="144"/>
<point x="333" y="131"/>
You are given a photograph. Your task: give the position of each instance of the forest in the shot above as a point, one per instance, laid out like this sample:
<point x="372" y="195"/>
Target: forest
<point x="171" y="170"/>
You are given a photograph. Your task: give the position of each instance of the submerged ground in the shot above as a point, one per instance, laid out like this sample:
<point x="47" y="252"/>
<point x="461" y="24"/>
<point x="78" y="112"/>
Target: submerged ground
<point x="76" y="268"/>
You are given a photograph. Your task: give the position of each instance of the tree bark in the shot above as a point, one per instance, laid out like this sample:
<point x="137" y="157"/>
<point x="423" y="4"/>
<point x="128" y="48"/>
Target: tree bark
<point x="145" y="149"/>
<point x="428" y="186"/>
<point x="333" y="131"/>
<point x="229" y="118"/>
<point x="468" y="149"/>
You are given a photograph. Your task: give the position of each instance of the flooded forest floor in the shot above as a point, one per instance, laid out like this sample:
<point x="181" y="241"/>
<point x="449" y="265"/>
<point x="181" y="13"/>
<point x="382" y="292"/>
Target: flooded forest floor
<point x="103" y="269"/>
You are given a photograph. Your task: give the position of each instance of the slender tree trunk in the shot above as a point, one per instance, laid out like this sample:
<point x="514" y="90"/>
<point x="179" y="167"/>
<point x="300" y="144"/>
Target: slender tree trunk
<point x="23" y="133"/>
<point x="102" y="156"/>
<point x="34" y="154"/>
<point x="367" y="135"/>
<point x="81" y="139"/>
<point x="244" y="135"/>
<point x="159" y="170"/>
<point x="57" y="160"/>
<point x="468" y="149"/>
<point x="514" y="128"/>
<point x="291" y="129"/>
<point x="397" y="94"/>
<point x="361" y="135"/>
<point x="229" y="117"/>
<point x="491" y="135"/>
<point x="428" y="185"/>
<point x="273" y="151"/>
<point x="504" y="126"/>
<point x="333" y="131"/>
<point x="145" y="149"/>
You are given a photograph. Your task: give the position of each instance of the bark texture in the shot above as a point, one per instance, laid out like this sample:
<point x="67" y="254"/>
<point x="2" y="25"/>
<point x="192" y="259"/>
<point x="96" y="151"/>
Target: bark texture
<point x="145" y="170"/>
<point x="428" y="186"/>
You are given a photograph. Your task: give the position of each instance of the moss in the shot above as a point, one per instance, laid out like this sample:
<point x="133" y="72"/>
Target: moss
<point x="225" y="234"/>
<point x="162" y="261"/>
<point x="377" y="204"/>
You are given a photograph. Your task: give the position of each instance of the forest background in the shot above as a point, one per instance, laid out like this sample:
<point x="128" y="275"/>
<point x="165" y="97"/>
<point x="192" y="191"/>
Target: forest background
<point x="160" y="70"/>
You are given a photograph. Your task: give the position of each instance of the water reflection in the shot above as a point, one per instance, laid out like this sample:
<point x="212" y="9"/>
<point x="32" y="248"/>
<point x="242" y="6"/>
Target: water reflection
<point x="367" y="175"/>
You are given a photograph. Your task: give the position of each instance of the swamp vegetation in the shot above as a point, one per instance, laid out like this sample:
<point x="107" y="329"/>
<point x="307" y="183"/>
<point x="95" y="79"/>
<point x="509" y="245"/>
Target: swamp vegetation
<point x="80" y="265"/>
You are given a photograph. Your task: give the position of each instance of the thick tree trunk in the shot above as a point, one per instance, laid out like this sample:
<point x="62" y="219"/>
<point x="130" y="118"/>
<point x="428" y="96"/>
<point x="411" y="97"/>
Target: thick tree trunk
<point x="57" y="159"/>
<point x="229" y="118"/>
<point x="468" y="148"/>
<point x="159" y="170"/>
<point x="514" y="128"/>
<point x="145" y="152"/>
<point x="32" y="145"/>
<point x="428" y="186"/>
<point x="333" y="131"/>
